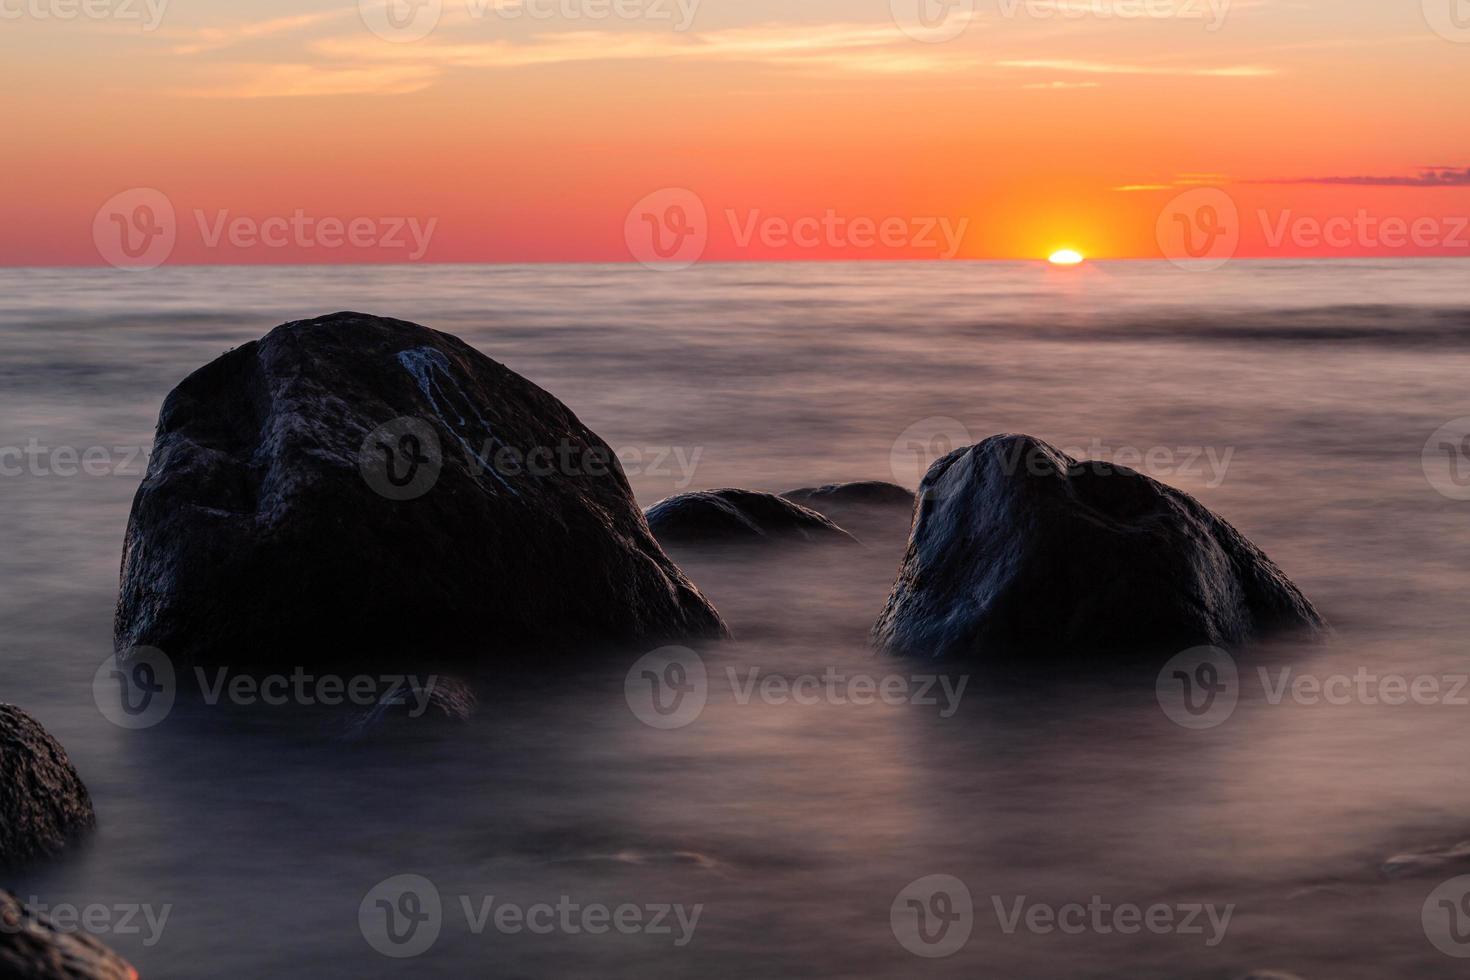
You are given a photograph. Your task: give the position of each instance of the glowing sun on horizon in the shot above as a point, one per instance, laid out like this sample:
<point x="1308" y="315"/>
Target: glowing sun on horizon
<point x="1066" y="256"/>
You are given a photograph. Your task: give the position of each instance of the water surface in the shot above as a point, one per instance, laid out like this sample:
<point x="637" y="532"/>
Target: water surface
<point x="1293" y="398"/>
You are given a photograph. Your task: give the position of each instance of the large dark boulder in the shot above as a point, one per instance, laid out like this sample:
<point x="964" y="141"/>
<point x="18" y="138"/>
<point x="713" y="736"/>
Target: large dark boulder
<point x="43" y="803"/>
<point x="32" y="947"/>
<point x="705" y="516"/>
<point x="1018" y="549"/>
<point x="354" y="492"/>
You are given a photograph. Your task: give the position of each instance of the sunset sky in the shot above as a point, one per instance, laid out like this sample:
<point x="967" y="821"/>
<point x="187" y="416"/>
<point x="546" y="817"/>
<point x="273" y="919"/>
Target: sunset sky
<point x="529" y="131"/>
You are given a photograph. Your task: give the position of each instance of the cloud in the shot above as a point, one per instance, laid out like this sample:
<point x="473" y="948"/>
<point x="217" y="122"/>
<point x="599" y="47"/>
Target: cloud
<point x="1427" y="177"/>
<point x="860" y="47"/>
<point x="294" y="81"/>
<point x="207" y="39"/>
<point x="351" y="62"/>
<point x="1180" y="180"/>
<point x="1108" y="68"/>
<point x="1431" y="177"/>
<point x="359" y="63"/>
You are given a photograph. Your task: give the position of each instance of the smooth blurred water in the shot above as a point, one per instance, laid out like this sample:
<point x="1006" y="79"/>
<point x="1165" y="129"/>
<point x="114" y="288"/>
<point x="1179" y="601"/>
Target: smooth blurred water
<point x="1313" y="388"/>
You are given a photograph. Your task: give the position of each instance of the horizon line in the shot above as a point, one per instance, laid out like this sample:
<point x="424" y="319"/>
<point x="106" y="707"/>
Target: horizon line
<point x="631" y="263"/>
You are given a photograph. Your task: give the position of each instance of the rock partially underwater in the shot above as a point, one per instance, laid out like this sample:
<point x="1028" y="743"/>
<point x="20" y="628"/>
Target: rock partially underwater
<point x="706" y="516"/>
<point x="44" y="806"/>
<point x="865" y="508"/>
<point x="1434" y="860"/>
<point x="33" y="947"/>
<point x="1018" y="550"/>
<point x="441" y="701"/>
<point x="860" y="493"/>
<point x="354" y="492"/>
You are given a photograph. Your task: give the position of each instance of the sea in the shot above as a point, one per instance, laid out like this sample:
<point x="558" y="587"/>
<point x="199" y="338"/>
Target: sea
<point x="823" y="810"/>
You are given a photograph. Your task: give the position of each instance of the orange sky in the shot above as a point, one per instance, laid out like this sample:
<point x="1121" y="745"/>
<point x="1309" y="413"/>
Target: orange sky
<point x="826" y="129"/>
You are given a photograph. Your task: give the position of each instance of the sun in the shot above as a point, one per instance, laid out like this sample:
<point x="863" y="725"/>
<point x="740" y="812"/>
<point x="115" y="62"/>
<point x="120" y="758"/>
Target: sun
<point x="1065" y="256"/>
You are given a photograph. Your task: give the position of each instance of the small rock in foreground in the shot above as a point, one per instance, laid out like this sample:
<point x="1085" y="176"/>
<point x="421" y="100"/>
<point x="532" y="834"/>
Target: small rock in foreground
<point x="33" y="948"/>
<point x="43" y="804"/>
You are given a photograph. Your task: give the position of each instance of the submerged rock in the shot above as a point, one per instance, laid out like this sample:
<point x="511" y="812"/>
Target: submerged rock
<point x="1432" y="861"/>
<point x="1019" y="549"/>
<point x="867" y="504"/>
<point x="738" y="515"/>
<point x="33" y="948"/>
<point x="442" y="700"/>
<point x="359" y="492"/>
<point x="43" y="804"/>
<point x="863" y="493"/>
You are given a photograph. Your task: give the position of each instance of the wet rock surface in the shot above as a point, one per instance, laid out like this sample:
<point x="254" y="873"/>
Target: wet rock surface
<point x="864" y="507"/>
<point x="438" y="702"/>
<point x="33" y="948"/>
<point x="43" y="804"/>
<point x="730" y="515"/>
<point x="1020" y="551"/>
<point x="355" y="492"/>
